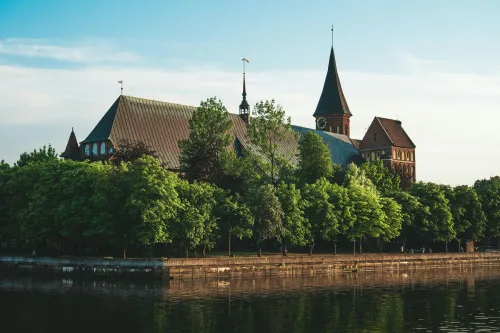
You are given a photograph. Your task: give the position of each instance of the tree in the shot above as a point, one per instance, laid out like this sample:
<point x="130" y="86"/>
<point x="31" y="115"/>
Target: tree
<point x="209" y="138"/>
<point x="327" y="210"/>
<point x="470" y="222"/>
<point x="44" y="154"/>
<point x="393" y="218"/>
<point x="314" y="159"/>
<point x="412" y="211"/>
<point x="196" y="221"/>
<point x="296" y="227"/>
<point x="272" y="138"/>
<point x="384" y="179"/>
<point x="367" y="210"/>
<point x="436" y="222"/>
<point x="6" y="222"/>
<point x="489" y="194"/>
<point x="235" y="216"/>
<point x="129" y="150"/>
<point x="152" y="200"/>
<point x="268" y="214"/>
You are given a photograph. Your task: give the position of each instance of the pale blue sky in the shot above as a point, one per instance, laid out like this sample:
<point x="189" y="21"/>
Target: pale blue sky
<point x="421" y="60"/>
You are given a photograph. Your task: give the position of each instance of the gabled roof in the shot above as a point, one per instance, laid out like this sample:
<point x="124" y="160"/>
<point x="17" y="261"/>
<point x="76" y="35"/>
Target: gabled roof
<point x="161" y="125"/>
<point x="396" y="132"/>
<point x="332" y="100"/>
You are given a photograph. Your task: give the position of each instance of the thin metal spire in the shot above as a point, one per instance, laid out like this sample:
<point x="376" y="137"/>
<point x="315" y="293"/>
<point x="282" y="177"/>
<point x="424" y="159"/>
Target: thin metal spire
<point x="332" y="35"/>
<point x="121" y="86"/>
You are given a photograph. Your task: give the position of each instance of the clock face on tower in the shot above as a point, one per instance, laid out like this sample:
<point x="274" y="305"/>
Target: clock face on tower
<point x="321" y="123"/>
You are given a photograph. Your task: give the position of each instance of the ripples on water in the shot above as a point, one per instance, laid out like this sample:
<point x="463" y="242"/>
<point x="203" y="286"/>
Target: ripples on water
<point x="451" y="300"/>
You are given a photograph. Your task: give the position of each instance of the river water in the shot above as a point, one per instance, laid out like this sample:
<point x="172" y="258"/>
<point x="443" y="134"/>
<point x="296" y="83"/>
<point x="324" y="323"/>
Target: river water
<point x="440" y="300"/>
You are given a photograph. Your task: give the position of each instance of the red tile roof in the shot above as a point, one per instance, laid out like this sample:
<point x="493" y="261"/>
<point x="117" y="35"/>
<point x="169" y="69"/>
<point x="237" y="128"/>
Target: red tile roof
<point x="396" y="132"/>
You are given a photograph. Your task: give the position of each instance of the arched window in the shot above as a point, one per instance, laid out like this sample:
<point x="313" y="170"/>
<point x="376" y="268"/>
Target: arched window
<point x="393" y="154"/>
<point x="103" y="148"/>
<point x="378" y="154"/>
<point x="95" y="149"/>
<point x="87" y="150"/>
<point x="373" y="156"/>
<point x="408" y="156"/>
<point x="399" y="155"/>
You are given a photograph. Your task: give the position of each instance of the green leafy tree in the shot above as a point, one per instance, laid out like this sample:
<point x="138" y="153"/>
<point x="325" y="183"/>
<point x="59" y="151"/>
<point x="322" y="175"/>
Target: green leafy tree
<point x="44" y="154"/>
<point x="152" y="200"/>
<point x="436" y="223"/>
<point x="470" y="222"/>
<point x="196" y="223"/>
<point x="296" y="228"/>
<point x="6" y="222"/>
<point x="412" y="211"/>
<point x="236" y="219"/>
<point x="209" y="138"/>
<point x="269" y="132"/>
<point x="268" y="214"/>
<point x="384" y="179"/>
<point x="393" y="218"/>
<point x="367" y="209"/>
<point x="314" y="159"/>
<point x="489" y="193"/>
<point x="328" y="211"/>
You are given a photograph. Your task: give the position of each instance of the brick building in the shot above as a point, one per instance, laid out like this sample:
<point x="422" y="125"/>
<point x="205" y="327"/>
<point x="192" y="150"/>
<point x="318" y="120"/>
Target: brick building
<point x="161" y="125"/>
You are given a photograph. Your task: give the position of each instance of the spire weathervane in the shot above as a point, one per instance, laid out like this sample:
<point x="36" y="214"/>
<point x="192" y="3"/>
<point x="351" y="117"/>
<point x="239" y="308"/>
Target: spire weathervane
<point x="121" y="86"/>
<point x="244" y="60"/>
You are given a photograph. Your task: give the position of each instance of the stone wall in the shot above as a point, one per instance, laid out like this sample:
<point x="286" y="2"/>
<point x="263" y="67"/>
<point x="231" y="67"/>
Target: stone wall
<point x="224" y="267"/>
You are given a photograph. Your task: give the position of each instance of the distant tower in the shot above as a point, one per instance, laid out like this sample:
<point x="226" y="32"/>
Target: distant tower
<point x="332" y="113"/>
<point x="244" y="106"/>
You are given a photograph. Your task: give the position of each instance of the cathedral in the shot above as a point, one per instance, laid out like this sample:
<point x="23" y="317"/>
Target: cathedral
<point x="162" y="124"/>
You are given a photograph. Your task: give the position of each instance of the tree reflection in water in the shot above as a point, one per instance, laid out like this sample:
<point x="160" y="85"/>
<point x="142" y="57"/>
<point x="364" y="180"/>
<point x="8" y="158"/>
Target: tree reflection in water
<point x="445" y="299"/>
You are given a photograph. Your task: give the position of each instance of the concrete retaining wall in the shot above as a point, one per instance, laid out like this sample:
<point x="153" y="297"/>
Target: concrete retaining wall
<point x="217" y="267"/>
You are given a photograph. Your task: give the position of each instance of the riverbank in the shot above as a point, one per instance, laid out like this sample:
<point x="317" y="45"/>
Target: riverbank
<point x="224" y="268"/>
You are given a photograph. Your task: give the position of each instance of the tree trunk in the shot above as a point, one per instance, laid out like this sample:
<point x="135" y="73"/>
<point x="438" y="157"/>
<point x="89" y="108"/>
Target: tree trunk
<point x="150" y="251"/>
<point x="186" y="249"/>
<point x="360" y="248"/>
<point x="446" y="246"/>
<point x="203" y="252"/>
<point x="259" y="252"/>
<point x="285" y="253"/>
<point x="229" y="244"/>
<point x="335" y="248"/>
<point x="354" y="245"/>
<point x="311" y="247"/>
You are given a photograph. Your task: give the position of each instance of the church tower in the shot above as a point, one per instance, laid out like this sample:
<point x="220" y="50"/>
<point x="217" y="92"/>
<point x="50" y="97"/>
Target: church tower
<point x="244" y="106"/>
<point x="332" y="113"/>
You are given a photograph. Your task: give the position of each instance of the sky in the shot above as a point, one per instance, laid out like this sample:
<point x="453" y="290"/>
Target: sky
<point x="433" y="64"/>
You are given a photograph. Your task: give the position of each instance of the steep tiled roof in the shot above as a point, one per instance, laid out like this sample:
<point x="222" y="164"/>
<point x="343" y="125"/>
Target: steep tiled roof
<point x="332" y="100"/>
<point x="161" y="125"/>
<point x="72" y="150"/>
<point x="396" y="132"/>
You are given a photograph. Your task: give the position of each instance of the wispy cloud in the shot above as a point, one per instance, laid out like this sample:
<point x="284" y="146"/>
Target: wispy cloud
<point x="92" y="51"/>
<point x="452" y="117"/>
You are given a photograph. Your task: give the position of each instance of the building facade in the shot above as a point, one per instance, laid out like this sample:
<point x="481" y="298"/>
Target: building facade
<point x="161" y="125"/>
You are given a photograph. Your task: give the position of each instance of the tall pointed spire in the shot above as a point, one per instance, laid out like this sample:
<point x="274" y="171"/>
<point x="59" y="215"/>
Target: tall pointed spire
<point x="332" y="100"/>
<point x="244" y="106"/>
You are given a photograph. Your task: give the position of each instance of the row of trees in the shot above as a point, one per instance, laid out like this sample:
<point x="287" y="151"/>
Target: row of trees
<point x="274" y="192"/>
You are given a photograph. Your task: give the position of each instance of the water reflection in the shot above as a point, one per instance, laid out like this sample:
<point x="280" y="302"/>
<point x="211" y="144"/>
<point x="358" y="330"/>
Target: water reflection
<point x="455" y="299"/>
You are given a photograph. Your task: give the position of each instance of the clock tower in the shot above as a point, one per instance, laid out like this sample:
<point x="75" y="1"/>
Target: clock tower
<point x="332" y="113"/>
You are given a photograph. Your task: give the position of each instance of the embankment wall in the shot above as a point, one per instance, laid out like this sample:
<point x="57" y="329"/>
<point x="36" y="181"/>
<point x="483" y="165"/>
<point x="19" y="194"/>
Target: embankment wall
<point x="220" y="267"/>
